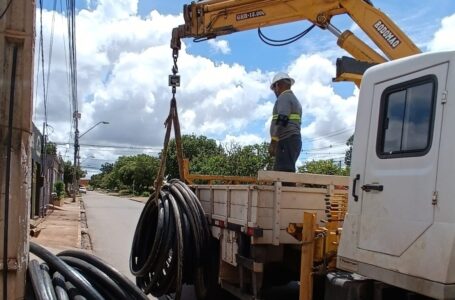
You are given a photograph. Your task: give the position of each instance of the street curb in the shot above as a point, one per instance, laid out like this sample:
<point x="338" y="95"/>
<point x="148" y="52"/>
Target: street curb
<point x="137" y="200"/>
<point x="79" y="227"/>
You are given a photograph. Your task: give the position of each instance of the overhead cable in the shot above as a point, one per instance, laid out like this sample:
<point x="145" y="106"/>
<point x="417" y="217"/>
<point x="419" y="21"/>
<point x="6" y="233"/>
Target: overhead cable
<point x="113" y="146"/>
<point x="51" y="46"/>
<point x="6" y="9"/>
<point x="41" y="47"/>
<point x="329" y="134"/>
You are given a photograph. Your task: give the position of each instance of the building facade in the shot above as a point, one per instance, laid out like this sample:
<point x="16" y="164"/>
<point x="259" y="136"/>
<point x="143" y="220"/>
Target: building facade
<point x="47" y="169"/>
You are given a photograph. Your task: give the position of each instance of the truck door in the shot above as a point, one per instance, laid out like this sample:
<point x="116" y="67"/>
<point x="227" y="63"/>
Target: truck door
<point x="401" y="162"/>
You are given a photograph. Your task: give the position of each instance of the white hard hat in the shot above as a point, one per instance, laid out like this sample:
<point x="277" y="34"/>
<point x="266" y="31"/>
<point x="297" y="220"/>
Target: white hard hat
<point x="280" y="76"/>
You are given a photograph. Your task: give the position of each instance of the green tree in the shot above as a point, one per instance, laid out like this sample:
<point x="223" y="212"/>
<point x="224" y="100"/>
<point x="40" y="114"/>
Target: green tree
<point x="139" y="172"/>
<point x="132" y="172"/>
<point x="248" y="160"/>
<point x="106" y="168"/>
<point x="51" y="148"/>
<point x="59" y="188"/>
<point x="212" y="165"/>
<point x="235" y="161"/>
<point x="68" y="171"/>
<point x="109" y="181"/>
<point x="327" y="167"/>
<point x="194" y="148"/>
<point x="348" y="154"/>
<point x="96" y="181"/>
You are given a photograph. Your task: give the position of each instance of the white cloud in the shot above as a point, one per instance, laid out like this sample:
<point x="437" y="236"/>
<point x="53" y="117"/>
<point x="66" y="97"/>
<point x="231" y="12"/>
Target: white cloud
<point x="329" y="112"/>
<point x="443" y="38"/>
<point x="242" y="139"/>
<point x="220" y="46"/>
<point x="123" y="65"/>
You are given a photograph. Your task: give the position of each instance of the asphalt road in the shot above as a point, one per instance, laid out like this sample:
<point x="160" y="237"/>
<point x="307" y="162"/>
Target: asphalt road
<point x="111" y="223"/>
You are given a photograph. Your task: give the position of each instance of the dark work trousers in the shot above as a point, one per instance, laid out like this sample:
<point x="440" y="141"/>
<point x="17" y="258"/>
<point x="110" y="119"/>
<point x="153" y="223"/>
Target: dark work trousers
<point x="287" y="152"/>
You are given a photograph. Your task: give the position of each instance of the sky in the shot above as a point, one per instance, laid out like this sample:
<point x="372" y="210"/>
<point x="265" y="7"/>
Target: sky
<point x="124" y="59"/>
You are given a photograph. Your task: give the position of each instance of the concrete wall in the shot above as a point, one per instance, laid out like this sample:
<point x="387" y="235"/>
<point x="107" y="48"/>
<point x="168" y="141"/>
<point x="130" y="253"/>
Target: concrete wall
<point x="16" y="85"/>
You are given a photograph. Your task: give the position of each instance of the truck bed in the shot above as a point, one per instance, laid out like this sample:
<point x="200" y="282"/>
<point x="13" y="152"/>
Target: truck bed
<point x="264" y="210"/>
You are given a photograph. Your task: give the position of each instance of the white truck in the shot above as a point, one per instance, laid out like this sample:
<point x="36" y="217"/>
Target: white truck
<point x="400" y="227"/>
<point x="399" y="231"/>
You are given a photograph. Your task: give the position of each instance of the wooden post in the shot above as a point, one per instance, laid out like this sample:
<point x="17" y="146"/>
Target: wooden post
<point x="306" y="263"/>
<point x="16" y="82"/>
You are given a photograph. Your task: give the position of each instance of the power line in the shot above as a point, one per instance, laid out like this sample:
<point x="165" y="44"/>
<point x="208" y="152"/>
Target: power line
<point x="71" y="18"/>
<point x="326" y="147"/>
<point x="6" y="9"/>
<point x="65" y="48"/>
<point x="329" y="134"/>
<point x="51" y="46"/>
<point x="112" y="146"/>
<point x="35" y="103"/>
<point x="325" y="157"/>
<point x="90" y="167"/>
<point x="41" y="42"/>
<point x="326" y="153"/>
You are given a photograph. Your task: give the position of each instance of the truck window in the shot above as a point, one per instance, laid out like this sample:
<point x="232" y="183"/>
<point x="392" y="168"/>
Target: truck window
<point x="406" y="118"/>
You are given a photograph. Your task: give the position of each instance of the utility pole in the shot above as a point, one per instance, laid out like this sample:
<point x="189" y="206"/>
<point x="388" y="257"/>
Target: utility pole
<point x="77" y="147"/>
<point x="44" y="172"/>
<point x="73" y="74"/>
<point x="76" y="154"/>
<point x="17" y="21"/>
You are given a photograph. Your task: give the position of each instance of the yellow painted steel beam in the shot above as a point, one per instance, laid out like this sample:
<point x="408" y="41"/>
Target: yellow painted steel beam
<point x="307" y="257"/>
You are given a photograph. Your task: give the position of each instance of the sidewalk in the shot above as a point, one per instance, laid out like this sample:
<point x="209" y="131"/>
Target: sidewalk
<point x="61" y="228"/>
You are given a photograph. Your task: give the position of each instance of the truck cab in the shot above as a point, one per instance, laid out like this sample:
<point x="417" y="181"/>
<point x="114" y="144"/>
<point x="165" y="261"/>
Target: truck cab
<point x="400" y="226"/>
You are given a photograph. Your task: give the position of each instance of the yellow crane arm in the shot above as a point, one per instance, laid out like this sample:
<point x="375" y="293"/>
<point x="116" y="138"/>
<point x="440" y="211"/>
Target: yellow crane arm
<point x="212" y="18"/>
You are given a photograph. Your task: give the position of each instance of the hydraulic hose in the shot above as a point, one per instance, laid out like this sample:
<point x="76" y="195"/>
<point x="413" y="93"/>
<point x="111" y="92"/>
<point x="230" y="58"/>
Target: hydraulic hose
<point x="171" y="243"/>
<point x="77" y="275"/>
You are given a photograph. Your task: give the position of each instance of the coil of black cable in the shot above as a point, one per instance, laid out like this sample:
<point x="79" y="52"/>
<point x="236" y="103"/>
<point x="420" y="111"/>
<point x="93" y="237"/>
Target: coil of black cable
<point x="171" y="243"/>
<point x="76" y="275"/>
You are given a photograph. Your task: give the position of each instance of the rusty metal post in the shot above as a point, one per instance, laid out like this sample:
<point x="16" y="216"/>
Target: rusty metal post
<point x="16" y="80"/>
<point x="306" y="263"/>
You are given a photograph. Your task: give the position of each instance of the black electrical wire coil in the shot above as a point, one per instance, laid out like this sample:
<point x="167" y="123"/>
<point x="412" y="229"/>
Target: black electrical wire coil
<point x="77" y="275"/>
<point x="171" y="243"/>
<point x="59" y="284"/>
<point x="123" y="282"/>
<point x="39" y="282"/>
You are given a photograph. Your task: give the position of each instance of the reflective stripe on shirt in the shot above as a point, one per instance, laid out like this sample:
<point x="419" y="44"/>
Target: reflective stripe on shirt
<point x="293" y="117"/>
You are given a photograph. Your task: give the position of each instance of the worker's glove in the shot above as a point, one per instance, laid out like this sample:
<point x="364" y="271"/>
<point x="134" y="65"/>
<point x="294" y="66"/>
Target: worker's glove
<point x="272" y="148"/>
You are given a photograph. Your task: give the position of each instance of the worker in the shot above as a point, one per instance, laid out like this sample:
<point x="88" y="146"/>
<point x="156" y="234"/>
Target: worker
<point x="286" y="140"/>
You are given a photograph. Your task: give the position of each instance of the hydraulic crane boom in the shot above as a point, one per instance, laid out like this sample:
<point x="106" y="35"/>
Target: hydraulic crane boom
<point x="212" y="18"/>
